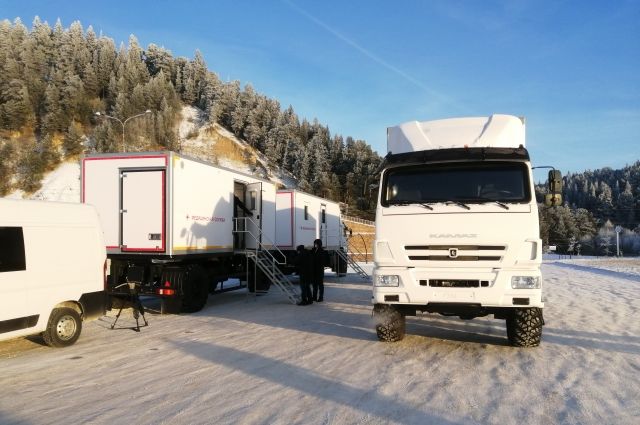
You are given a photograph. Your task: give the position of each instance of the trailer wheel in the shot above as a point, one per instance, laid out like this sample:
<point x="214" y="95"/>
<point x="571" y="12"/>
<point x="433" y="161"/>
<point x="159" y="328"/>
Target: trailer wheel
<point x="390" y="323"/>
<point x="63" y="328"/>
<point x="524" y="327"/>
<point x="195" y="290"/>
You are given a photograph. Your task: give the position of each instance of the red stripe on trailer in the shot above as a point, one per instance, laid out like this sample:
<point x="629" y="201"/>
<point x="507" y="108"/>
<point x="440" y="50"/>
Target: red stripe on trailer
<point x="164" y="219"/>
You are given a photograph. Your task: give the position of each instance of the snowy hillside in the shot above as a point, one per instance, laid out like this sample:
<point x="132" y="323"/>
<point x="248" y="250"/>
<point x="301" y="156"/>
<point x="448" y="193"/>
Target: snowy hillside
<point x="198" y="139"/>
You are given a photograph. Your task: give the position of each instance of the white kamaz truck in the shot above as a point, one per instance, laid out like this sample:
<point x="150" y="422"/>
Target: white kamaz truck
<point x="457" y="228"/>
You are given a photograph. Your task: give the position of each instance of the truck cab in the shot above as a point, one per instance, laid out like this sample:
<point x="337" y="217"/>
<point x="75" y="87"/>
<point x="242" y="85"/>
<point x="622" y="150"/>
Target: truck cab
<point x="457" y="229"/>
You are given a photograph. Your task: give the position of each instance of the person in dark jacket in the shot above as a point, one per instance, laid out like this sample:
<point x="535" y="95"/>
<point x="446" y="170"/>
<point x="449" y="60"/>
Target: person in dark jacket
<point x="303" y="268"/>
<point x="318" y="261"/>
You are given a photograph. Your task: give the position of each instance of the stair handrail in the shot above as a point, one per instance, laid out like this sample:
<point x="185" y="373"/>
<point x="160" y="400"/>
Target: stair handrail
<point x="258" y="239"/>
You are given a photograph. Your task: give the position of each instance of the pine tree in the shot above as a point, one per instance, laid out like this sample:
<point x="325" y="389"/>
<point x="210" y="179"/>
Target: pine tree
<point x="6" y="168"/>
<point x="73" y="140"/>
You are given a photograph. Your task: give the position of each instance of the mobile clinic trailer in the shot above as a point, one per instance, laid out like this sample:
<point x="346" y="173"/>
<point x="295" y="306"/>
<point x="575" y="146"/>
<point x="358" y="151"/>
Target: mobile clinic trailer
<point x="169" y="222"/>
<point x="302" y="218"/>
<point x="52" y="269"/>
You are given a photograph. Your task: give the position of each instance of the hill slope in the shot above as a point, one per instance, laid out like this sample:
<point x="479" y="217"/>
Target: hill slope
<point x="198" y="139"/>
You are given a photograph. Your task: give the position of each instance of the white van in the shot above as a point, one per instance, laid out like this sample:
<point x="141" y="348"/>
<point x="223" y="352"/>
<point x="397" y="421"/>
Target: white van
<point x="52" y="269"/>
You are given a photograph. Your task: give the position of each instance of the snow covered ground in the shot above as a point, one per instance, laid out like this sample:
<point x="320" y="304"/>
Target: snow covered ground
<point x="627" y="266"/>
<point x="246" y="360"/>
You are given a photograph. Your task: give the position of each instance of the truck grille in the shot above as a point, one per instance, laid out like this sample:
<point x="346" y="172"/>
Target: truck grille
<point x="455" y="252"/>
<point x="454" y="283"/>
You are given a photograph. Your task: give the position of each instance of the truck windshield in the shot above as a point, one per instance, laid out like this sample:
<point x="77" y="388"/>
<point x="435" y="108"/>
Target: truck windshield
<point x="476" y="182"/>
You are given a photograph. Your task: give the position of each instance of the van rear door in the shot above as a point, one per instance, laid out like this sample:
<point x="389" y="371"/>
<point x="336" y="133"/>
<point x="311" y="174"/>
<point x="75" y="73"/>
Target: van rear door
<point x="143" y="210"/>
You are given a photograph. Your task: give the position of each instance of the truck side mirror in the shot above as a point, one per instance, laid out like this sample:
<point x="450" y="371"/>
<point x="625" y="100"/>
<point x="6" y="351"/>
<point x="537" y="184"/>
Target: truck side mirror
<point x="551" y="200"/>
<point x="555" y="182"/>
<point x="373" y="191"/>
<point x="554" y="197"/>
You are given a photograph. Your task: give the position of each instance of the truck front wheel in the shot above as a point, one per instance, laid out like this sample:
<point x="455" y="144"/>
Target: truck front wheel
<point x="524" y="327"/>
<point x="63" y="328"/>
<point x="390" y="323"/>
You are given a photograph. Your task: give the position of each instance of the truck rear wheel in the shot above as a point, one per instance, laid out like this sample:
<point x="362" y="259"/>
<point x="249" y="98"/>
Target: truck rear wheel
<point x="195" y="291"/>
<point x="63" y="328"/>
<point x="524" y="327"/>
<point x="390" y="323"/>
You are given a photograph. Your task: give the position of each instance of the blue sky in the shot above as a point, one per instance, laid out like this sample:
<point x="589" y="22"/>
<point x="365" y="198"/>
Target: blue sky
<point x="572" y="68"/>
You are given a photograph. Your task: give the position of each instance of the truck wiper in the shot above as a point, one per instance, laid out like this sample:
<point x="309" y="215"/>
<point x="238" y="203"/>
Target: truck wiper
<point x="407" y="202"/>
<point x="458" y="203"/>
<point x="446" y="202"/>
<point x="499" y="203"/>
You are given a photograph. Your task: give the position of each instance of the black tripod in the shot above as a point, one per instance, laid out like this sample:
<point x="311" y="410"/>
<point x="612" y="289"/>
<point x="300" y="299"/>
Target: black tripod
<point x="132" y="299"/>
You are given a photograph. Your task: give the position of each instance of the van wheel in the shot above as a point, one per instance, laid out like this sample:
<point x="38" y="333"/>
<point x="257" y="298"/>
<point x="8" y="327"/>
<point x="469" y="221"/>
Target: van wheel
<point x="524" y="327"/>
<point x="63" y="329"/>
<point x="195" y="290"/>
<point x="390" y="323"/>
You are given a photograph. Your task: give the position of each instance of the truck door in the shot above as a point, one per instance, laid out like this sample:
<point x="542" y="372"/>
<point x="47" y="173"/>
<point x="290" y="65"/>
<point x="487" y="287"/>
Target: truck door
<point x="323" y="225"/>
<point x="253" y="202"/>
<point x="142" y="211"/>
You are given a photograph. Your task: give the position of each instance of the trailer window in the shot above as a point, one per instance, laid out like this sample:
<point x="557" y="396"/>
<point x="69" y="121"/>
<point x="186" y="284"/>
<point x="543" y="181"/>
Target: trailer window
<point x="324" y="216"/>
<point x="252" y="200"/>
<point x="464" y="182"/>
<point x="12" y="256"/>
<point x="306" y="212"/>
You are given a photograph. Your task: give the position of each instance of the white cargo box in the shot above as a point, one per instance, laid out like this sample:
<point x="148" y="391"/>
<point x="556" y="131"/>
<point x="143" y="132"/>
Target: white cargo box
<point x="301" y="218"/>
<point x="167" y="204"/>
<point x="498" y="131"/>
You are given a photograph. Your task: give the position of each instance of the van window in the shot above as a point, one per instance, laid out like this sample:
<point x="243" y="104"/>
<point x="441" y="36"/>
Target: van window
<point x="11" y="249"/>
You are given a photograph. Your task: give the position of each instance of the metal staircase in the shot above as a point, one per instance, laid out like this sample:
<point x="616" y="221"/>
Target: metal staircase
<point x="264" y="257"/>
<point x="352" y="263"/>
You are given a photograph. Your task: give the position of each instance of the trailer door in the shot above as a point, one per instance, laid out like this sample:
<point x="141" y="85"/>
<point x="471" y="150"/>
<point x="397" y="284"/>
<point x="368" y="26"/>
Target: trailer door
<point x="253" y="202"/>
<point x="142" y="212"/>
<point x="323" y="225"/>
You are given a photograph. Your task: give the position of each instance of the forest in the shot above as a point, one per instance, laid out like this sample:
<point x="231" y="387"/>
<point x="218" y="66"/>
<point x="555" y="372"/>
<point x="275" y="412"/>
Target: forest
<point x="54" y="79"/>
<point x="595" y="203"/>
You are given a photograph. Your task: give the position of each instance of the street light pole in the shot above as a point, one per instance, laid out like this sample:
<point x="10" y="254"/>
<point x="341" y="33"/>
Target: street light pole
<point x="123" y="123"/>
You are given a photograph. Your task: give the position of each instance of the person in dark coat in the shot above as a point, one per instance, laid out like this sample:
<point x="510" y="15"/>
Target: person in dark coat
<point x="303" y="268"/>
<point x="318" y="261"/>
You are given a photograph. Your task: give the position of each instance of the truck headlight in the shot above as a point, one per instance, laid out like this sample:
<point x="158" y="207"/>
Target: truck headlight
<point x="525" y="282"/>
<point x="387" y="280"/>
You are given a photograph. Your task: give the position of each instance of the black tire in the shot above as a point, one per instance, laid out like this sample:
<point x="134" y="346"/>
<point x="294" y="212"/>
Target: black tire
<point x="63" y="328"/>
<point x="195" y="291"/>
<point x="524" y="327"/>
<point x="390" y="323"/>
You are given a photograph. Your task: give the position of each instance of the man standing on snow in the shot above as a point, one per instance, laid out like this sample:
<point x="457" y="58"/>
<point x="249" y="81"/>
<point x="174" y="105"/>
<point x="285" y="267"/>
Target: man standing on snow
<point x="318" y="260"/>
<point x="303" y="268"/>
